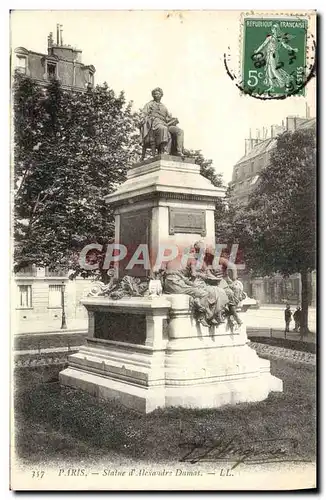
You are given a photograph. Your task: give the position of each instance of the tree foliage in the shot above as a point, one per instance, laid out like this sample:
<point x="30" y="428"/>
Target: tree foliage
<point x="206" y="166"/>
<point x="70" y="150"/>
<point x="284" y="204"/>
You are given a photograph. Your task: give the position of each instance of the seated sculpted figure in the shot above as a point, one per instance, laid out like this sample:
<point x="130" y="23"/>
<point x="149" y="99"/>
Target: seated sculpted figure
<point x="214" y="294"/>
<point x="159" y="129"/>
<point x="208" y="301"/>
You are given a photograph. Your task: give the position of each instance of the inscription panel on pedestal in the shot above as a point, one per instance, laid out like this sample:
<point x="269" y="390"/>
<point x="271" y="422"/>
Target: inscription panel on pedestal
<point x="121" y="327"/>
<point x="134" y="231"/>
<point x="183" y="220"/>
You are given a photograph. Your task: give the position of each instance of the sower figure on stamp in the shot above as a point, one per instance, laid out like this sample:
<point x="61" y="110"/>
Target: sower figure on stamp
<point x="159" y="129"/>
<point x="269" y="50"/>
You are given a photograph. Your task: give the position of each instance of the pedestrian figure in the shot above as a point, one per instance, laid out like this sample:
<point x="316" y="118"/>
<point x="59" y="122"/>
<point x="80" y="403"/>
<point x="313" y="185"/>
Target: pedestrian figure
<point x="297" y="319"/>
<point x="287" y="317"/>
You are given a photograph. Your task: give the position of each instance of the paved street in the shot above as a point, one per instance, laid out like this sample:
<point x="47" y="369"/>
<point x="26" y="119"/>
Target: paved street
<point x="273" y="317"/>
<point x="266" y="317"/>
<point x="260" y="321"/>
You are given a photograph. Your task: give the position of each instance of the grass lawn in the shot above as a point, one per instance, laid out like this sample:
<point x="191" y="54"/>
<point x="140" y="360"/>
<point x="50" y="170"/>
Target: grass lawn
<point x="46" y="341"/>
<point x="61" y="424"/>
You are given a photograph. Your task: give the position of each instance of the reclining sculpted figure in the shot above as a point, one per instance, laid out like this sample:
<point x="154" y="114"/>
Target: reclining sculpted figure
<point x="159" y="129"/>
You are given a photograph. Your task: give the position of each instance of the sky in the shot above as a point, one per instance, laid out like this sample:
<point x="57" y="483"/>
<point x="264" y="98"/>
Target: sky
<point x="179" y="51"/>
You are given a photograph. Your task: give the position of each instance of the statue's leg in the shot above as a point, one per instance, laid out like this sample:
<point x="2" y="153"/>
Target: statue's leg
<point x="233" y="311"/>
<point x="143" y="151"/>
<point x="153" y="147"/>
<point x="169" y="145"/>
<point x="162" y="148"/>
<point x="178" y="134"/>
<point x="161" y="138"/>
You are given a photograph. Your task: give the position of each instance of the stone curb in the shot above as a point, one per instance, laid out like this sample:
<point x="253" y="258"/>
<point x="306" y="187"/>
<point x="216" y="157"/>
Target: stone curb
<point x="282" y="352"/>
<point x="30" y="359"/>
<point x="47" y="357"/>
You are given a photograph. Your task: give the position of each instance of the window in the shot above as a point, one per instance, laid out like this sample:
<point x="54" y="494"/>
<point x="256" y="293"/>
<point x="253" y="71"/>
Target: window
<point x="55" y="296"/>
<point x="21" y="63"/>
<point x="91" y="78"/>
<point x="51" y="70"/>
<point x="251" y="167"/>
<point x="24" y="296"/>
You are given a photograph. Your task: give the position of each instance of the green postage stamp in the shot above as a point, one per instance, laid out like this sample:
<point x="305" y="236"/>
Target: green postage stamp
<point x="274" y="56"/>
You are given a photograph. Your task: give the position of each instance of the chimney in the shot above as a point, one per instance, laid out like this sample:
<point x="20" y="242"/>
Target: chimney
<point x="247" y="146"/>
<point x="58" y="35"/>
<point x="50" y="43"/>
<point x="307" y="111"/>
<point x="61" y="30"/>
<point x="277" y="130"/>
<point x="291" y="123"/>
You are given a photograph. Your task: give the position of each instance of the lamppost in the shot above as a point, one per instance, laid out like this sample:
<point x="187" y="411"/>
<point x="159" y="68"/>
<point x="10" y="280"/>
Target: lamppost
<point x="63" y="319"/>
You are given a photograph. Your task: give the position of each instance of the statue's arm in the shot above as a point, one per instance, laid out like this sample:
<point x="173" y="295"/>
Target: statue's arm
<point x="170" y="119"/>
<point x="229" y="265"/>
<point x="144" y="113"/>
<point x="288" y="47"/>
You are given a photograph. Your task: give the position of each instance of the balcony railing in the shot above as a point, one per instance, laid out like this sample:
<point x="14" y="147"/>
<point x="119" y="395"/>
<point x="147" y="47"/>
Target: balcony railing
<point x="55" y="273"/>
<point x="41" y="272"/>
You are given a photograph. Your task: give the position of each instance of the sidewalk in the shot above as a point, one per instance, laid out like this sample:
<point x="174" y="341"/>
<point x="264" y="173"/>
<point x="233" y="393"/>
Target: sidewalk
<point x="282" y="306"/>
<point x="74" y="325"/>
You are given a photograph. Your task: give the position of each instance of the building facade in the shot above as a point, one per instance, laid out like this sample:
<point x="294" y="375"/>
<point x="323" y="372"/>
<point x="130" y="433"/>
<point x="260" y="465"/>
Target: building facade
<point x="257" y="157"/>
<point x="273" y="289"/>
<point x="62" y="62"/>
<point x="40" y="295"/>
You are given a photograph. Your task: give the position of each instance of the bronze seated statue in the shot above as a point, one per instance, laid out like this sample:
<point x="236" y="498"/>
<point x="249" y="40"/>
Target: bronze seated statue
<point x="158" y="128"/>
<point x="152" y="141"/>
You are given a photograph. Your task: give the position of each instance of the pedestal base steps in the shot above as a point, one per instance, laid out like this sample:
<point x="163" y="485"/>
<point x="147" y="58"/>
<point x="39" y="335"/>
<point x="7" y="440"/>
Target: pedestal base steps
<point x="179" y="363"/>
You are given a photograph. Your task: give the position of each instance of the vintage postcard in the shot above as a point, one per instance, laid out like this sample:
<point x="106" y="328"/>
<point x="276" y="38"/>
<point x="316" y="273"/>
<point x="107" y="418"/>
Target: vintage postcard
<point x="163" y="289"/>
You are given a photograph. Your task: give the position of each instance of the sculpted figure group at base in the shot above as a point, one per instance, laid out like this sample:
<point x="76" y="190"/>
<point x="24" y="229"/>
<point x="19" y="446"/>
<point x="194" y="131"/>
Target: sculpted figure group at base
<point x="158" y="129"/>
<point x="215" y="295"/>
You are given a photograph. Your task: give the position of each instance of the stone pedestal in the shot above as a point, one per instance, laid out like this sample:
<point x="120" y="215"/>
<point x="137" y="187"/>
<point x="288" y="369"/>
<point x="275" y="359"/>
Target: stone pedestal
<point x="164" y="201"/>
<point x="175" y="361"/>
<point x="151" y="353"/>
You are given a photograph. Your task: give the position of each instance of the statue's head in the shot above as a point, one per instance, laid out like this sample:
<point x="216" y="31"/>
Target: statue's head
<point x="199" y="246"/>
<point x="157" y="94"/>
<point x="276" y="30"/>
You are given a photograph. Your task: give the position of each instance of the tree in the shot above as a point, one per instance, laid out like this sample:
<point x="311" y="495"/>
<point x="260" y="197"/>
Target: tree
<point x="285" y="204"/>
<point x="70" y="149"/>
<point x="207" y="170"/>
<point x="276" y="230"/>
<point x="206" y="166"/>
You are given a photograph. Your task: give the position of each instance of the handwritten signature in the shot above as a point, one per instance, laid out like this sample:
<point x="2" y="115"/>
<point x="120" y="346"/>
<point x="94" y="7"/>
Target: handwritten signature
<point x="240" y="452"/>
